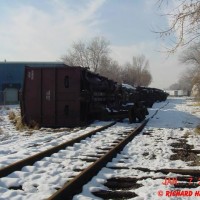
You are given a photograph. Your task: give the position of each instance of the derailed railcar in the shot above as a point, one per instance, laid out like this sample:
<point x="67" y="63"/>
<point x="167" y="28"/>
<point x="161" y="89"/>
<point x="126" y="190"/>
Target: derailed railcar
<point x="66" y="96"/>
<point x="149" y="95"/>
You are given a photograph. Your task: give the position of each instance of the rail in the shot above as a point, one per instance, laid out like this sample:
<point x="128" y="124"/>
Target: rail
<point x="32" y="159"/>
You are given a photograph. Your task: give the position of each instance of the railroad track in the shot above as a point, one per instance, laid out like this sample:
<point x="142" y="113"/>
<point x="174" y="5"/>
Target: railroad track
<point x="84" y="163"/>
<point x="130" y="180"/>
<point x="76" y="158"/>
<point x="32" y="159"/>
<point x="75" y="185"/>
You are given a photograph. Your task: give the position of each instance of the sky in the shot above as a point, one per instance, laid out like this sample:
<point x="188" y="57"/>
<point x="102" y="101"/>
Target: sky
<point x="35" y="30"/>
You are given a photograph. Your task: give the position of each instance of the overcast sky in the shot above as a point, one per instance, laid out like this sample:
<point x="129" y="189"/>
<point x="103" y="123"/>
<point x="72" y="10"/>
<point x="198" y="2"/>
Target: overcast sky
<point x="43" y="30"/>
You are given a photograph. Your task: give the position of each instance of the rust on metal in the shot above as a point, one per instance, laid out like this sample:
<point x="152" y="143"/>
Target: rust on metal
<point x="31" y="160"/>
<point x="75" y="186"/>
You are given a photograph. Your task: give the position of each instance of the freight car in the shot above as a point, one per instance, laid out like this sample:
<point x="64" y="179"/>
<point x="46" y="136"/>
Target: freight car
<point x="149" y="95"/>
<point x="64" y="96"/>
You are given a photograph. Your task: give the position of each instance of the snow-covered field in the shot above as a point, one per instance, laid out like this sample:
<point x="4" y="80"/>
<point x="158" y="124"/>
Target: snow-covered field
<point x="152" y="149"/>
<point x="16" y="145"/>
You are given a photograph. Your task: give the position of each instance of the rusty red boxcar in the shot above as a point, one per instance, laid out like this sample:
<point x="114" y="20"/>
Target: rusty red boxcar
<point x="64" y="96"/>
<point x="51" y="96"/>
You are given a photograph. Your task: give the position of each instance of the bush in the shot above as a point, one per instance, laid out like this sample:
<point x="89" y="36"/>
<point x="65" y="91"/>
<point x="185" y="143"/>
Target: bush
<point x="11" y="116"/>
<point x="196" y="104"/>
<point x="197" y="130"/>
<point x="34" y="125"/>
<point x="20" y="126"/>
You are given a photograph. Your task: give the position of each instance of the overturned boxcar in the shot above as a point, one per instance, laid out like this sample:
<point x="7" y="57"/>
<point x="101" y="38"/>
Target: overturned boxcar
<point x="65" y="96"/>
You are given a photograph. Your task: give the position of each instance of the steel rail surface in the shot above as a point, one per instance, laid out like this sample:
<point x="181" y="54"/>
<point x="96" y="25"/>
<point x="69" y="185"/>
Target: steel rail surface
<point x="75" y="186"/>
<point x="32" y="159"/>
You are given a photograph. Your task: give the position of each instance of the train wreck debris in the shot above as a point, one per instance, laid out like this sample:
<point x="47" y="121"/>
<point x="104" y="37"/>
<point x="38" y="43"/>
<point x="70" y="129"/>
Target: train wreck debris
<point x="68" y="96"/>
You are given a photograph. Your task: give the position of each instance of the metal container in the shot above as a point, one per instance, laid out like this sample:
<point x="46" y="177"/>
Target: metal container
<point x="51" y="96"/>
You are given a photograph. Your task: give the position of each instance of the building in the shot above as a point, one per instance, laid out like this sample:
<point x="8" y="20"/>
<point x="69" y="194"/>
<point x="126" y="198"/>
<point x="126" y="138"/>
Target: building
<point x="177" y="93"/>
<point x="11" y="78"/>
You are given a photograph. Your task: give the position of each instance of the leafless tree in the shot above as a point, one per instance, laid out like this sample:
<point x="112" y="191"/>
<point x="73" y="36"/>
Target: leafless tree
<point x="143" y="76"/>
<point x="192" y="75"/>
<point x="186" y="81"/>
<point x="191" y="55"/>
<point x="185" y="23"/>
<point x="89" y="54"/>
<point x="175" y="86"/>
<point x="137" y="73"/>
<point x="98" y="50"/>
<point x="110" y="69"/>
<point x="95" y="56"/>
<point x="129" y="74"/>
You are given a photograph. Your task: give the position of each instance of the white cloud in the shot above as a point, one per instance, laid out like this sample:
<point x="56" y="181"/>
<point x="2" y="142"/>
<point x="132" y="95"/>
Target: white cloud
<point x="29" y="33"/>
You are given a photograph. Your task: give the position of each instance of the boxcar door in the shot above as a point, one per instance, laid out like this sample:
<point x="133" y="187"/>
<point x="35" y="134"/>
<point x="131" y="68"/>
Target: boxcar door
<point x="48" y="97"/>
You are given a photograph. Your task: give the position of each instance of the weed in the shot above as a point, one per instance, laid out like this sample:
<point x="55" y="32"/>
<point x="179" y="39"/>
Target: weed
<point x="34" y="125"/>
<point x="197" y="130"/>
<point x="1" y="131"/>
<point x="196" y="104"/>
<point x="11" y="116"/>
<point x="20" y="126"/>
<point x="186" y="135"/>
<point x="16" y="119"/>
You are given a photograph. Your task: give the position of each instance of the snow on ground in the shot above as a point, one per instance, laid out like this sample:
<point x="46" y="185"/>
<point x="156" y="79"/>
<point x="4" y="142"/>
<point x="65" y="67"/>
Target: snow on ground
<point x="16" y="145"/>
<point x="152" y="149"/>
<point x="41" y="180"/>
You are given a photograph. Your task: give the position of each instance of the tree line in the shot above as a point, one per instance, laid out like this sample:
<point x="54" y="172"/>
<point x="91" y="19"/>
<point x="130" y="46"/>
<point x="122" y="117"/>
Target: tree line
<point x="95" y="55"/>
<point x="184" y="31"/>
<point x="190" y="78"/>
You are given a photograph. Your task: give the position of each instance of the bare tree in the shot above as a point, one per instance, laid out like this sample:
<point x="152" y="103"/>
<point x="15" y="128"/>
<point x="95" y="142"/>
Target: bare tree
<point x="185" y="82"/>
<point x="137" y="73"/>
<point x="89" y="54"/>
<point x="185" y="23"/>
<point x="192" y="75"/>
<point x="175" y="86"/>
<point x="110" y="69"/>
<point x="191" y="55"/>
<point x="98" y="50"/>
<point x="129" y="74"/>
<point x="146" y="78"/>
<point x="141" y="64"/>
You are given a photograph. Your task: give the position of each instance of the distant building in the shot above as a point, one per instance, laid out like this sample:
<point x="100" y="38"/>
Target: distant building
<point x="11" y="78"/>
<point x="178" y="93"/>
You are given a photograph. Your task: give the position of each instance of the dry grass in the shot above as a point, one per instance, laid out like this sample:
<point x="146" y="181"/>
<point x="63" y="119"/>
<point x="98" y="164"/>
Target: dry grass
<point x="196" y="104"/>
<point x="11" y="115"/>
<point x="1" y="131"/>
<point x="34" y="125"/>
<point x="197" y="130"/>
<point x="16" y="119"/>
<point x="187" y="134"/>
